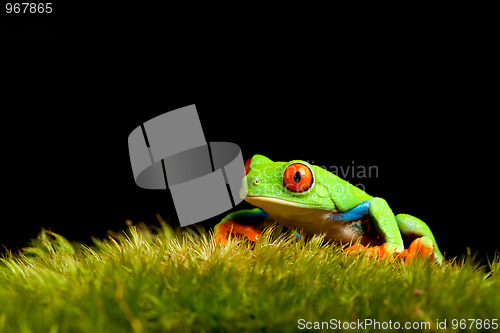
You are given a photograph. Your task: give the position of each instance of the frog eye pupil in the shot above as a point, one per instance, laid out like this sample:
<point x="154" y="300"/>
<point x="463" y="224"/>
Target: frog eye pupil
<point x="297" y="176"/>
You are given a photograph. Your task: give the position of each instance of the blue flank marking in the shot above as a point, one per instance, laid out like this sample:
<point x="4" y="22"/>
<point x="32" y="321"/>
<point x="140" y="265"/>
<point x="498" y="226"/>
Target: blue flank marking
<point x="245" y="216"/>
<point x="352" y="214"/>
<point x="260" y="214"/>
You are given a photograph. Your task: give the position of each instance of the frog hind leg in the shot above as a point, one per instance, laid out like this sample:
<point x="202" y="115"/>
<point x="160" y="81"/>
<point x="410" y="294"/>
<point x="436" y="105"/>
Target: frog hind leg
<point x="385" y="223"/>
<point x="232" y="225"/>
<point x="421" y="237"/>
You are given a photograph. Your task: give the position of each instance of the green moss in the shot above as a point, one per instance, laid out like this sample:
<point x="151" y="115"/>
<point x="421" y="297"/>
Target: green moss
<point x="181" y="281"/>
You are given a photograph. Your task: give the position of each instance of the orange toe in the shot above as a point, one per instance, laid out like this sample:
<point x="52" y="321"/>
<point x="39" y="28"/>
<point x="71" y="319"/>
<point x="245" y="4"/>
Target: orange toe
<point x="416" y="248"/>
<point x="355" y="248"/>
<point x="379" y="251"/>
<point x="252" y="234"/>
<point x="223" y="230"/>
<point x="427" y="250"/>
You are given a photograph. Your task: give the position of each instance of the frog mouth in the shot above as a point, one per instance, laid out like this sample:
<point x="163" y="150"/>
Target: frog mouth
<point x="275" y="203"/>
<point x="288" y="212"/>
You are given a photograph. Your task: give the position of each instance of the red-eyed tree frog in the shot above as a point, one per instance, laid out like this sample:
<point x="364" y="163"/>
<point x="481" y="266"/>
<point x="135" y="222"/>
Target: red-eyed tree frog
<point x="312" y="200"/>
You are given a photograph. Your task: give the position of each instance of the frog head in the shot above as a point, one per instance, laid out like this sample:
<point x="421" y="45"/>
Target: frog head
<point x="279" y="188"/>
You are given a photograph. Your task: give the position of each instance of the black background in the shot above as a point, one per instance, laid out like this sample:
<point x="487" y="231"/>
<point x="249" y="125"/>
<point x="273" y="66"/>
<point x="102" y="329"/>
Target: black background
<point x="414" y="107"/>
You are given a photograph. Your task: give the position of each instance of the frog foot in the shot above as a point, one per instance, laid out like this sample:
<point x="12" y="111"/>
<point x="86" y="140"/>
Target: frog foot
<point x="379" y="251"/>
<point x="421" y="246"/>
<point x="229" y="227"/>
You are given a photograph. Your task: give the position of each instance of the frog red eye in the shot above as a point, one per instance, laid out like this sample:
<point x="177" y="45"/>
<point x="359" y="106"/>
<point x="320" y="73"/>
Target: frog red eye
<point x="247" y="166"/>
<point x="298" y="177"/>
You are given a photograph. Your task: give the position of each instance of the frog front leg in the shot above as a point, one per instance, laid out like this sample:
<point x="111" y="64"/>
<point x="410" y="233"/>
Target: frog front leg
<point x="232" y="225"/>
<point x="385" y="222"/>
